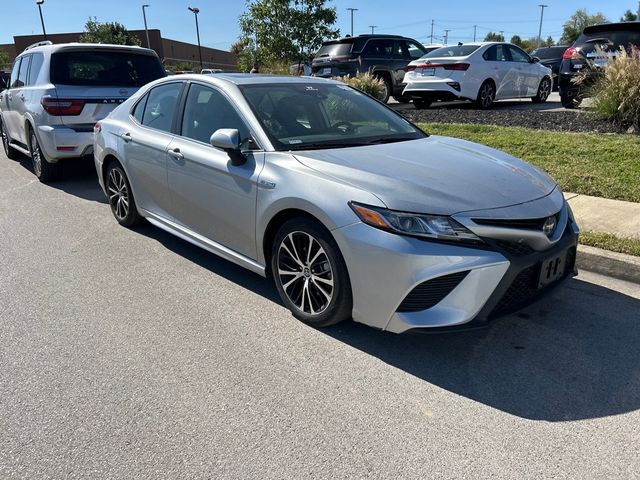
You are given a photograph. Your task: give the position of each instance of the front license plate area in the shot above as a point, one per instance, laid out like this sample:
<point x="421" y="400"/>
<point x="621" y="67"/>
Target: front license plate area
<point x="552" y="269"/>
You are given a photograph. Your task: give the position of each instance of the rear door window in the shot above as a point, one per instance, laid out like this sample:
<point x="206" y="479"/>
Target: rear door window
<point x="161" y="106"/>
<point x="138" y="111"/>
<point x="24" y="72"/>
<point x="13" y="82"/>
<point x="104" y="68"/>
<point x="37" y="59"/>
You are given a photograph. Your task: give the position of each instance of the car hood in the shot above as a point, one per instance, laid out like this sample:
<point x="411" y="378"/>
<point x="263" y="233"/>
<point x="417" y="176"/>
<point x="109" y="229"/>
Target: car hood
<point x="437" y="175"/>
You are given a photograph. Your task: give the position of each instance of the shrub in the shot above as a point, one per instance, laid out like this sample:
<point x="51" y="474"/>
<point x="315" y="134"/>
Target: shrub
<point x="616" y="93"/>
<point x="365" y="82"/>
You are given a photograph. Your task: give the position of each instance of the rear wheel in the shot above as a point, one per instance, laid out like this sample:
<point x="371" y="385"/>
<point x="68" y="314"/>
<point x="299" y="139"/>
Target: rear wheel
<point x="9" y="151"/>
<point x="544" y="90"/>
<point x="421" y="104"/>
<point x="386" y="88"/>
<point x="45" y="171"/>
<point x="570" y="102"/>
<point x="310" y="274"/>
<point x="486" y="95"/>
<point x="123" y="205"/>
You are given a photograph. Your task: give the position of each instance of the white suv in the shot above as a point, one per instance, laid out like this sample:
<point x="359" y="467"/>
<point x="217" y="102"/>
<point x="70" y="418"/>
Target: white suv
<point x="57" y="93"/>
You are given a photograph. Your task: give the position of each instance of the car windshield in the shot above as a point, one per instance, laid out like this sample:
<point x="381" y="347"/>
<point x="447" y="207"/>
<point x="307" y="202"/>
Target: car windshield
<point x="317" y="116"/>
<point x="94" y="68"/>
<point x="455" y="51"/>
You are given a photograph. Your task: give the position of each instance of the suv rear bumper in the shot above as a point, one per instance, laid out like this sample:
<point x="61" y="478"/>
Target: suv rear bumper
<point x="58" y="142"/>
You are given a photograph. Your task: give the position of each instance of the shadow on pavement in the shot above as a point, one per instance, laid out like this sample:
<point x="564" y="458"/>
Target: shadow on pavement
<point x="77" y="177"/>
<point x="571" y="356"/>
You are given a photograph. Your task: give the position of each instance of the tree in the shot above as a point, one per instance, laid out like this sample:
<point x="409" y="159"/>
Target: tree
<point x="549" y="42"/>
<point x="494" y="37"/>
<point x="629" y="16"/>
<point x="5" y="59"/>
<point x="577" y="23"/>
<point x="110" y="32"/>
<point x="284" y="30"/>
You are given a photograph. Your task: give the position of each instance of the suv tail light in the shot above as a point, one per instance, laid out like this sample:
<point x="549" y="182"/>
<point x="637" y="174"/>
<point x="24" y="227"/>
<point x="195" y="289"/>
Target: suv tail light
<point x="571" y="54"/>
<point x="62" y="106"/>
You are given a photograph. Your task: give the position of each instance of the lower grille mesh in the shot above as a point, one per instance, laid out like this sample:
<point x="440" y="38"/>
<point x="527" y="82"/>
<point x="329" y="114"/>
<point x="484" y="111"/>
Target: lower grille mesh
<point x="431" y="292"/>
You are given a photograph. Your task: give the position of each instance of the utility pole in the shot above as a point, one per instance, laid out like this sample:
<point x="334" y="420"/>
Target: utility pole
<point x="431" y="36"/>
<point x="502" y="35"/>
<point x="446" y="37"/>
<point x="352" y="10"/>
<point x="196" y="11"/>
<point x="475" y="31"/>
<point x="373" y="27"/>
<point x="639" y="11"/>
<point x="146" y="30"/>
<point x="44" y="32"/>
<point x="542" y="7"/>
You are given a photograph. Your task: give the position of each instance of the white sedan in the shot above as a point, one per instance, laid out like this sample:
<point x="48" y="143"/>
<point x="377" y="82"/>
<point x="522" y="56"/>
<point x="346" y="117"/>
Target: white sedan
<point x="480" y="72"/>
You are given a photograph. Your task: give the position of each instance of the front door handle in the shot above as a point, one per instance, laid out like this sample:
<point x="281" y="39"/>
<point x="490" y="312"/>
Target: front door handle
<point x="126" y="137"/>
<point x="175" y="153"/>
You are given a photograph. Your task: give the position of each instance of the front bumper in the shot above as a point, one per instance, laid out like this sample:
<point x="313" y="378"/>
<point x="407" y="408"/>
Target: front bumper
<point x="385" y="268"/>
<point x="58" y="142"/>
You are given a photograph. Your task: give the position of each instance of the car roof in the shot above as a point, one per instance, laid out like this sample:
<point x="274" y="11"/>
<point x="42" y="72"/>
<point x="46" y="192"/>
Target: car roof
<point x="610" y="27"/>
<point x="255" y="79"/>
<point x="55" y="47"/>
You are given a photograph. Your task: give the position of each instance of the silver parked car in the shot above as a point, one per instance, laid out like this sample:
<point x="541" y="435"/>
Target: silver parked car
<point x="57" y="93"/>
<point x="354" y="211"/>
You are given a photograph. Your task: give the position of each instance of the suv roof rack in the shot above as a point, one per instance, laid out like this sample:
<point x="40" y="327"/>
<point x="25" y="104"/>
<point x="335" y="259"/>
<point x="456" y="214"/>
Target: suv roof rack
<point x="39" y="44"/>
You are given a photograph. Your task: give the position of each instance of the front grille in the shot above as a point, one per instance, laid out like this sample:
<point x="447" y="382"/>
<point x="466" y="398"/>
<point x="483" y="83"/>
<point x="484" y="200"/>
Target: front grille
<point x="521" y="223"/>
<point x="516" y="249"/>
<point x="431" y="292"/>
<point x="524" y="287"/>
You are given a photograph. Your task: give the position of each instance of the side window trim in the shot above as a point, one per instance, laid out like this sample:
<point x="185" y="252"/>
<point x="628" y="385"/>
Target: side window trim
<point x="183" y="102"/>
<point x="143" y="99"/>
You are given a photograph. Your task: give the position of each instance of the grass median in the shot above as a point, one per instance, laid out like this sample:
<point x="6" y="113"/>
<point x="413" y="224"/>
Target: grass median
<point x="602" y="165"/>
<point x="607" y="241"/>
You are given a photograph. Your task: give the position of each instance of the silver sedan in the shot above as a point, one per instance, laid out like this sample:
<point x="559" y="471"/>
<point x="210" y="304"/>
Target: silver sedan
<point x="354" y="211"/>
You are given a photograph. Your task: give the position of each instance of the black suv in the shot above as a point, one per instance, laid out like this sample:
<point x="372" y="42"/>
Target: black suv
<point x="584" y="56"/>
<point x="385" y="56"/>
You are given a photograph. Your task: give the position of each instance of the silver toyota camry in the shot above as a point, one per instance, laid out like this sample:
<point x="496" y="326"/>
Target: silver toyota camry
<point x="354" y="211"/>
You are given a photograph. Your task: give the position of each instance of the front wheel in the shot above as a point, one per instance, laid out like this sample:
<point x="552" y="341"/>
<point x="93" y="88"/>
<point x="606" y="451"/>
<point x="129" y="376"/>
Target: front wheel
<point x="544" y="90"/>
<point x="570" y="102"/>
<point x="386" y="88"/>
<point x="123" y="205"/>
<point x="45" y="171"/>
<point x="310" y="273"/>
<point x="486" y="95"/>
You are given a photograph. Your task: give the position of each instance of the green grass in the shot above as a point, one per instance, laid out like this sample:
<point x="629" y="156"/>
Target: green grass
<point x="607" y="241"/>
<point x="602" y="165"/>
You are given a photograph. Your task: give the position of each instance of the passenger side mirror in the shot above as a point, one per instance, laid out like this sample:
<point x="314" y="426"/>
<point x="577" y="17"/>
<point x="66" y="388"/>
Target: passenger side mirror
<point x="535" y="60"/>
<point x="228" y="139"/>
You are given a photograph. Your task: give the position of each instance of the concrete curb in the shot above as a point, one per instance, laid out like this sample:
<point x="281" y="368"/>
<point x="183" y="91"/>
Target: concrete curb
<point x="611" y="264"/>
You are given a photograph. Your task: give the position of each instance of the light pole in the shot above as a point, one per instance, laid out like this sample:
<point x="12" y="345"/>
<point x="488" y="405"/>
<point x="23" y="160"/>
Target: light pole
<point x="542" y="7"/>
<point x="196" y="11"/>
<point x="475" y="32"/>
<point x="44" y="32"/>
<point x="431" y="36"/>
<point x="373" y="27"/>
<point x="146" y="30"/>
<point x="352" y="10"/>
<point x="446" y="37"/>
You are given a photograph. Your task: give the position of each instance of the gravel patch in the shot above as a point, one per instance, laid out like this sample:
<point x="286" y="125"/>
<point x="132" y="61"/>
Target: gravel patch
<point x="563" y="121"/>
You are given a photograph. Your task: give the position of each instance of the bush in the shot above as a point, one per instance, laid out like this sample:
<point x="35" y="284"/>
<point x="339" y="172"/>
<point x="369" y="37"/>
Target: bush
<point x="616" y="94"/>
<point x="365" y="82"/>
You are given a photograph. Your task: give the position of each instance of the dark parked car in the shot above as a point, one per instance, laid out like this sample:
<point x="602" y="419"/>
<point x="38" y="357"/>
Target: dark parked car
<point x="590" y="53"/>
<point x="551" y="57"/>
<point x="385" y="56"/>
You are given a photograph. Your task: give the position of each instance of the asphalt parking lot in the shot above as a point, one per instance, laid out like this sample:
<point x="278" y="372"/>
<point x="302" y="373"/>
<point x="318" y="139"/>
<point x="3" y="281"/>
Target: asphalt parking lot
<point x="551" y="105"/>
<point x="132" y="354"/>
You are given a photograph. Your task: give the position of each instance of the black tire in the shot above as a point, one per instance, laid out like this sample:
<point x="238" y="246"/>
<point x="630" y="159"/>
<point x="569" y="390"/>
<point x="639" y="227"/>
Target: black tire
<point x="421" y="104"/>
<point x="486" y="95"/>
<point x="544" y="90"/>
<point x="570" y="102"/>
<point x="316" y="288"/>
<point x="386" y="94"/>
<point x="45" y="172"/>
<point x="10" y="152"/>
<point x="401" y="99"/>
<point x="123" y="205"/>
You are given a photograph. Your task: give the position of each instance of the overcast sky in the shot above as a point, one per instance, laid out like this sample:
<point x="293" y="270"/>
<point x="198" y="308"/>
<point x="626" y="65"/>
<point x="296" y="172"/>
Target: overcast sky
<point x="219" y="26"/>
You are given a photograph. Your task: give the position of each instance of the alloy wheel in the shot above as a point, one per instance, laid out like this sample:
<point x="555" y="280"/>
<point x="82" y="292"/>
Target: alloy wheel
<point x="36" y="155"/>
<point x="545" y="90"/>
<point x="486" y="95"/>
<point x="305" y="273"/>
<point x="5" y="138"/>
<point x="118" y="194"/>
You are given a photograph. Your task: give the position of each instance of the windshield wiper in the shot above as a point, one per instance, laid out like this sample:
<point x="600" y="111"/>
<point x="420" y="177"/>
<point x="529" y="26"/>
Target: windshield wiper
<point x="380" y="141"/>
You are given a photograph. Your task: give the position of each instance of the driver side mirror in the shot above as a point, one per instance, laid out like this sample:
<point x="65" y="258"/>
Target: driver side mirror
<point x="228" y="139"/>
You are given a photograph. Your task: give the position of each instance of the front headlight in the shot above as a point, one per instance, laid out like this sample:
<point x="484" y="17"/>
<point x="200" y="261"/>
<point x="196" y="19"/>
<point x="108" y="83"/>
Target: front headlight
<point x="436" y="227"/>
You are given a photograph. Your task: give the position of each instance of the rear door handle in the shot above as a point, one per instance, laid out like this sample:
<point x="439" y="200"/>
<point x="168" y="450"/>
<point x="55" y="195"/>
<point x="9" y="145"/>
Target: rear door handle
<point x="126" y="137"/>
<point x="176" y="154"/>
